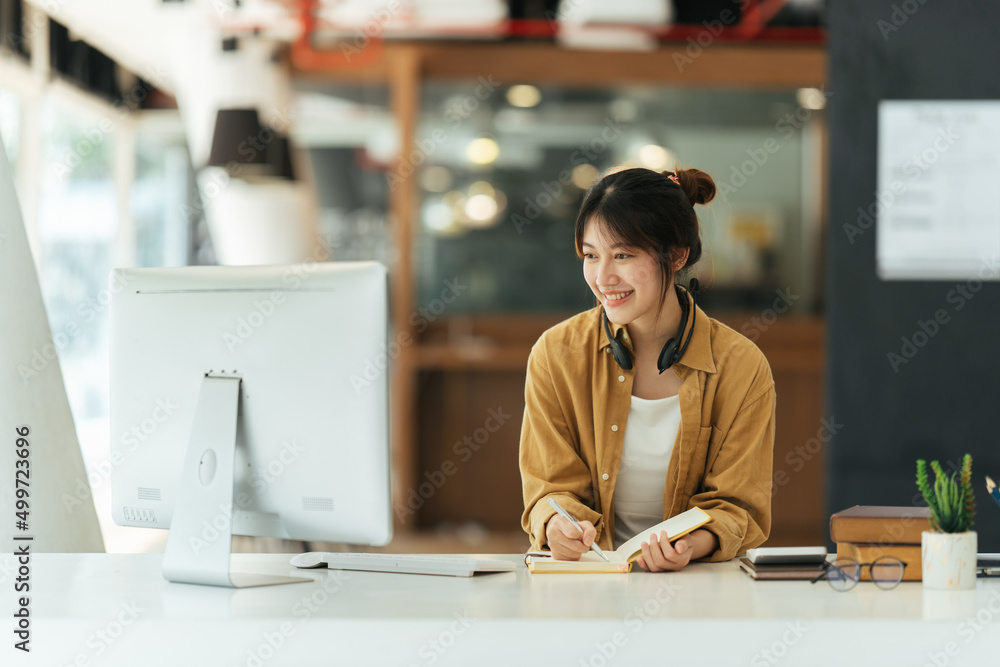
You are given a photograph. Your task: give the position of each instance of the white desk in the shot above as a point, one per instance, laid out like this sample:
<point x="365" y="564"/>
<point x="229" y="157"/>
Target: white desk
<point x="97" y="609"/>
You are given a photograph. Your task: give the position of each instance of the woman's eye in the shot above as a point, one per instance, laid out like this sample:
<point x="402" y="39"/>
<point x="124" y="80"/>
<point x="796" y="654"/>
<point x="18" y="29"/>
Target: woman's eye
<point x="622" y="255"/>
<point x="588" y="255"/>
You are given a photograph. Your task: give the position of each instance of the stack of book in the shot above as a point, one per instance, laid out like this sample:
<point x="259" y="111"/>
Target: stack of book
<point x="866" y="532"/>
<point x="784" y="563"/>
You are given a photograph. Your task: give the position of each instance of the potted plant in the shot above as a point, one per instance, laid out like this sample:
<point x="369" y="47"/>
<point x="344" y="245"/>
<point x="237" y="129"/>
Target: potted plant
<point x="948" y="552"/>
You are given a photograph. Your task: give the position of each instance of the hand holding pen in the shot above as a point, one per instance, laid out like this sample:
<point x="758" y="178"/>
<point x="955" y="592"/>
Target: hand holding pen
<point x="568" y="538"/>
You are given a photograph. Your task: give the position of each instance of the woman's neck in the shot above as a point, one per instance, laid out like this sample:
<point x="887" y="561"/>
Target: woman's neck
<point x="649" y="333"/>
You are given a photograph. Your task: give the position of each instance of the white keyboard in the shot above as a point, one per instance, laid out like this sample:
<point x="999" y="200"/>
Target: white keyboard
<point x="451" y="566"/>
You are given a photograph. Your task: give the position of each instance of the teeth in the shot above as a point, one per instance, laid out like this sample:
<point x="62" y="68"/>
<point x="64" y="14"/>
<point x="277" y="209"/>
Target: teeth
<point x="616" y="297"/>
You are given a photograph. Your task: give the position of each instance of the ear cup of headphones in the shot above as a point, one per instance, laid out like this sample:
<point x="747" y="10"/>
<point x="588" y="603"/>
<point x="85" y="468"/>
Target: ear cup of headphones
<point x="667" y="354"/>
<point x="618" y="350"/>
<point x="670" y="354"/>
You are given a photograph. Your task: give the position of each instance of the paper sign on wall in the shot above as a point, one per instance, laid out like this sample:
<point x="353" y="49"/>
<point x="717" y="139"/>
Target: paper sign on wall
<point x="937" y="204"/>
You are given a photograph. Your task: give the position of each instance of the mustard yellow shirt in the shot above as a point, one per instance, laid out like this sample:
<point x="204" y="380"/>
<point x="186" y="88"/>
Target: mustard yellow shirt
<point x="576" y="409"/>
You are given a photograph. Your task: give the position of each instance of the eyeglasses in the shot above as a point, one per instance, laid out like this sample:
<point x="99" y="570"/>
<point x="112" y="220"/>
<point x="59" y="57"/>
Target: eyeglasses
<point x="844" y="573"/>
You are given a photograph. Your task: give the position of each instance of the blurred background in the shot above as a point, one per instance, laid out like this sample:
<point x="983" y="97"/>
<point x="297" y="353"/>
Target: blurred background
<point x="453" y="141"/>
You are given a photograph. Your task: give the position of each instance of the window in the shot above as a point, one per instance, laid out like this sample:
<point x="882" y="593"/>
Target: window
<point x="503" y="173"/>
<point x="159" y="199"/>
<point x="77" y="227"/>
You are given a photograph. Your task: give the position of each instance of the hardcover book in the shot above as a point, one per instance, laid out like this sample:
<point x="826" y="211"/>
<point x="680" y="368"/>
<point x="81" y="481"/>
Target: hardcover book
<point x="879" y="524"/>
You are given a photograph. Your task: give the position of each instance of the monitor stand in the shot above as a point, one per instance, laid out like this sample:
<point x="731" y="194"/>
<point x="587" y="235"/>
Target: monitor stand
<point x="205" y="496"/>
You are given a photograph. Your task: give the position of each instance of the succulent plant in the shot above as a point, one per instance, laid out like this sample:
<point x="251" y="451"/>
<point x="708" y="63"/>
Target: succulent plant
<point x="951" y="500"/>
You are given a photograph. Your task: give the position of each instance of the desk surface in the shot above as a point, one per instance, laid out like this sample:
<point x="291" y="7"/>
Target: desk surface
<point x="103" y="609"/>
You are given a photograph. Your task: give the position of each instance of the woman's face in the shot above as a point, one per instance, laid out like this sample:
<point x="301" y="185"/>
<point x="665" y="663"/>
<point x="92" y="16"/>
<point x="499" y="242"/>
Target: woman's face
<point x="627" y="281"/>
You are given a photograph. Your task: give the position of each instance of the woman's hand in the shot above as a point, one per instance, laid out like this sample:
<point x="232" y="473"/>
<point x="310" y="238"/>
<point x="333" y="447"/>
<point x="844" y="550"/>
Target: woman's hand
<point x="565" y="541"/>
<point x="658" y="555"/>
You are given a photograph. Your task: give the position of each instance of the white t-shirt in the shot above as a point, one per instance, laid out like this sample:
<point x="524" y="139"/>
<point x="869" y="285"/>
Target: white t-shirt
<point x="642" y="477"/>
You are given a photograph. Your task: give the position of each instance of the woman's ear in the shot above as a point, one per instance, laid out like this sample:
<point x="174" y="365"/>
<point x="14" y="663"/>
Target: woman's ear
<point x="680" y="257"/>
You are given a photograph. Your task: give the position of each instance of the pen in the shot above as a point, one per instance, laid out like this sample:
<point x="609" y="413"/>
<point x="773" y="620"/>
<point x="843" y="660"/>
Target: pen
<point x="569" y="517"/>
<point x="991" y="487"/>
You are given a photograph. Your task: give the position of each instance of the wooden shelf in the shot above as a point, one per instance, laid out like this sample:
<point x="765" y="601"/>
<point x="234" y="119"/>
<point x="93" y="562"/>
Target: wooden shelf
<point x="793" y="343"/>
<point x="723" y="65"/>
<point x="503" y="342"/>
<point x="479" y="357"/>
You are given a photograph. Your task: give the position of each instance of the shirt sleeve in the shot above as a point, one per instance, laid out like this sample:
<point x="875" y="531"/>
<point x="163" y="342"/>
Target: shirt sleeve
<point x="549" y="456"/>
<point x="736" y="491"/>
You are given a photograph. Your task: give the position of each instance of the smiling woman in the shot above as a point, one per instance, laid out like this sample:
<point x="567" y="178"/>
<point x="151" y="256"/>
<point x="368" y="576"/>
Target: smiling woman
<point x="644" y="407"/>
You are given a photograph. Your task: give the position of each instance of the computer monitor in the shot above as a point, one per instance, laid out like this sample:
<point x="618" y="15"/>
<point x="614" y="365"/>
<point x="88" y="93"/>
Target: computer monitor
<point x="250" y="401"/>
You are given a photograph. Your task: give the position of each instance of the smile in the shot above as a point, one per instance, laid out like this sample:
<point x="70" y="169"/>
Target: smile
<point x="617" y="298"/>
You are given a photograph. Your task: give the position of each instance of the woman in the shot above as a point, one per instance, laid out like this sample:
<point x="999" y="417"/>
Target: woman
<point x="644" y="407"/>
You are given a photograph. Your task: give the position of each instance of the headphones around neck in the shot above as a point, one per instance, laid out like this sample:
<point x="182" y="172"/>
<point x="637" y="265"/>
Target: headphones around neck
<point x="673" y="350"/>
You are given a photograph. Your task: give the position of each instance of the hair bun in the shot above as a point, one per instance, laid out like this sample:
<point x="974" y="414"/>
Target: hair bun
<point x="697" y="185"/>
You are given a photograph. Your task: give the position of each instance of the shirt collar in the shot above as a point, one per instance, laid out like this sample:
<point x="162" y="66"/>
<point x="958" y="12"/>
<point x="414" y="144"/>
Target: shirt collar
<point x="698" y="355"/>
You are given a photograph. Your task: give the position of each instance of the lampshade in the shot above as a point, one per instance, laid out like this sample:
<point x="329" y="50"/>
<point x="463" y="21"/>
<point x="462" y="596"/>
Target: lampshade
<point x="236" y="131"/>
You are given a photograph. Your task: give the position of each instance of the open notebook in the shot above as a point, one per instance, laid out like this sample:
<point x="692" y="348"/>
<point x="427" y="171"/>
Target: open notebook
<point x="621" y="559"/>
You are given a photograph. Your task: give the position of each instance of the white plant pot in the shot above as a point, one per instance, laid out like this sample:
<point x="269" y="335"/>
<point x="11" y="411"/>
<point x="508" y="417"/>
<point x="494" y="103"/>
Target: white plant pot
<point x="949" y="560"/>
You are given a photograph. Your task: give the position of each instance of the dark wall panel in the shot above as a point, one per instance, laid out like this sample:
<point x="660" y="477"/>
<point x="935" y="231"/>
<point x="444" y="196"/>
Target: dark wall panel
<point x="946" y="400"/>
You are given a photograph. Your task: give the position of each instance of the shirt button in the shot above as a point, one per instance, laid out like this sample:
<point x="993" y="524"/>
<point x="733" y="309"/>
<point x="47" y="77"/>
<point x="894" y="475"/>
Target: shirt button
<point x="621" y="378"/>
<point x="614" y="427"/>
<point x="605" y="477"/>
